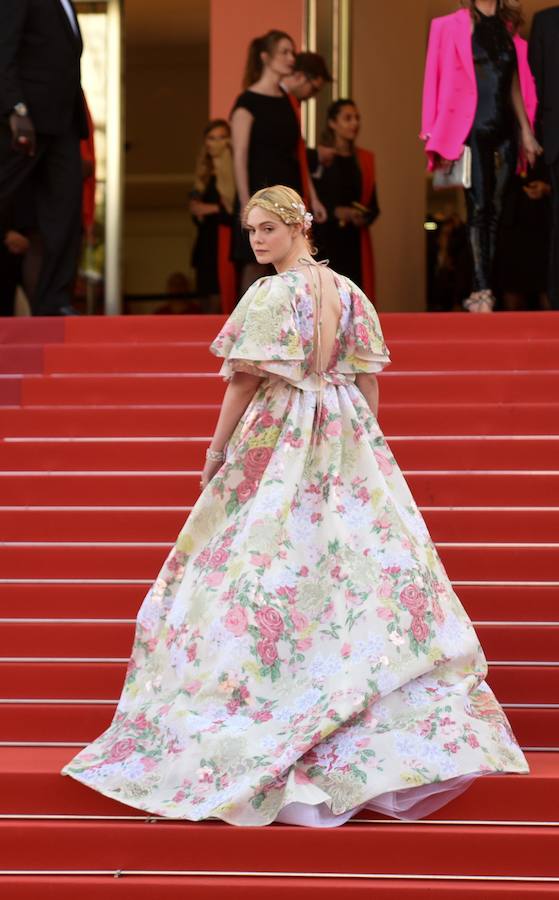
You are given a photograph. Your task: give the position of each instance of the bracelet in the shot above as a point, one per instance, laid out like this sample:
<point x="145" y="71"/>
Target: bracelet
<point x="215" y="455"/>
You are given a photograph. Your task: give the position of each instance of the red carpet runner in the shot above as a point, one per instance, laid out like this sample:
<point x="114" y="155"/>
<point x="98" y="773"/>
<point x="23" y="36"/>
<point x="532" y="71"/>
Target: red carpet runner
<point x="103" y="426"/>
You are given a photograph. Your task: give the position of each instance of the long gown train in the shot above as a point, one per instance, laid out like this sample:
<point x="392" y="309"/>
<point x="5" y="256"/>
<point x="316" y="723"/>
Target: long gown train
<point x="302" y="653"/>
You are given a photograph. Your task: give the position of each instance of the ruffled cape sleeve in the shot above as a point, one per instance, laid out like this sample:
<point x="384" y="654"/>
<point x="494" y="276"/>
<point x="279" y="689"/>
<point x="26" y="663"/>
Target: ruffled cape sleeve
<point x="364" y="349"/>
<point x="261" y="335"/>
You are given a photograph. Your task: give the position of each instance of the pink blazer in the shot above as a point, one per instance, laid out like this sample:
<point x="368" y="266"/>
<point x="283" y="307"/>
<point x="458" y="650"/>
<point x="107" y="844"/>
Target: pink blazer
<point x="450" y="89"/>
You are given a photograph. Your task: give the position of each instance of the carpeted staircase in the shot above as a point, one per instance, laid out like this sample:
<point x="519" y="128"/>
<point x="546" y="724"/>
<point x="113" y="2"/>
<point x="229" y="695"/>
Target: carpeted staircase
<point x="103" y="427"/>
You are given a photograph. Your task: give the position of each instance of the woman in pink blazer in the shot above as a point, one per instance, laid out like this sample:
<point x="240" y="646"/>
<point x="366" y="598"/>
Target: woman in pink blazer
<point x="479" y="91"/>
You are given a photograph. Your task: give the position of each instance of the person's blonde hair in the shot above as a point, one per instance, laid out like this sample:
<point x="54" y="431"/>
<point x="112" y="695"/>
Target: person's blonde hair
<point x="509" y="11"/>
<point x="221" y="166"/>
<point x="286" y="204"/>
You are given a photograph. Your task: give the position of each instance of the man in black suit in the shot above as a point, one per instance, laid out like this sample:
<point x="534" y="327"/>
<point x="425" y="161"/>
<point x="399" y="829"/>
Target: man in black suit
<point x="42" y="120"/>
<point x="544" y="62"/>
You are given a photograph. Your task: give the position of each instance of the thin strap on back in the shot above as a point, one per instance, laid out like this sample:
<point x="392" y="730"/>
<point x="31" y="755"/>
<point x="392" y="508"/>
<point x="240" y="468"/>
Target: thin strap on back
<point x="318" y="367"/>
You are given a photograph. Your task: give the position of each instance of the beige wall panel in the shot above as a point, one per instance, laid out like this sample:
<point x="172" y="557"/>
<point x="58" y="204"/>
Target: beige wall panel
<point x="388" y="60"/>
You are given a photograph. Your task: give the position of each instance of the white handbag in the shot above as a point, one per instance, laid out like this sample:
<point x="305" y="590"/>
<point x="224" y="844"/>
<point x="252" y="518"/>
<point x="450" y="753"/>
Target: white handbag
<point x="458" y="174"/>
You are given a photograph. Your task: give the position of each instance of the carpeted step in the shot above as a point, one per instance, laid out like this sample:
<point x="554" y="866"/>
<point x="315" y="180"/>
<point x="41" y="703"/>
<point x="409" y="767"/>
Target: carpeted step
<point x="103" y="681"/>
<point x="172" y="390"/>
<point x="30" y="784"/>
<point x="198" y="421"/>
<point x="463" y="562"/>
<point x="78" y="722"/>
<point x="148" y="887"/>
<point x="180" y="488"/>
<point x="451" y="850"/>
<point x="92" y="639"/>
<point x="487" y="602"/>
<point x="431" y="453"/>
<point x="406" y="355"/>
<point x="107" y="329"/>
<point x="24" y="523"/>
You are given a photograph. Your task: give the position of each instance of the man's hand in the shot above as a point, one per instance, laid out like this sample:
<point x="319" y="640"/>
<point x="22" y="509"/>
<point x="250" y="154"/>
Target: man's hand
<point x="16" y="243"/>
<point x="23" y="134"/>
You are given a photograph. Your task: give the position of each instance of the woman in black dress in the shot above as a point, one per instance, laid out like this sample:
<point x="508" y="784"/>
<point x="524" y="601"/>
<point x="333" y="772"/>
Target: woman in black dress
<point x="347" y="188"/>
<point x="266" y="135"/>
<point x="211" y="204"/>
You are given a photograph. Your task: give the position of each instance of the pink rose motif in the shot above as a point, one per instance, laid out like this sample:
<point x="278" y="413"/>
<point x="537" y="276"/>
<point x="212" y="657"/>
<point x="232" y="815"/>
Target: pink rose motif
<point x="299" y="619"/>
<point x="413" y="599"/>
<point x="121" y="750"/>
<point x="358" y="308"/>
<point x="192" y="652"/>
<point x="452" y="747"/>
<point x="270" y="623"/>
<point x="437" y="612"/>
<point x="384" y="464"/>
<point x="304" y="644"/>
<point x="261" y="559"/>
<point x="232" y="706"/>
<point x="149" y="763"/>
<point x="256" y="460"/>
<point x="219" y="558"/>
<point x="214" y="579"/>
<point x="420" y="629"/>
<point x="303" y="572"/>
<point x="425" y="728"/>
<point x="203" y="558"/>
<point x="193" y="687"/>
<point x="385" y="589"/>
<point x="236" y="620"/>
<point x="316" y="517"/>
<point x="246" y="489"/>
<point x="267" y="651"/>
<point x="473" y="741"/>
<point x="267" y="419"/>
<point x="346" y="651"/>
<point x="264" y="715"/>
<point x="384" y="613"/>
<point x="362" y="334"/>
<point x="176" y="562"/>
<point x="141" y="722"/>
<point x="334" y="428"/>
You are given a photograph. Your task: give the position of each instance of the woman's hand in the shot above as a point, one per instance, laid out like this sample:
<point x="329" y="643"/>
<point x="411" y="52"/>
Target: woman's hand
<point x="16" y="243"/>
<point x="319" y="212"/>
<point x="536" y="190"/>
<point x="532" y="149"/>
<point x="210" y="469"/>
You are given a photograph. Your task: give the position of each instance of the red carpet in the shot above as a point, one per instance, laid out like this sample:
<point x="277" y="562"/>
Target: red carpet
<point x="102" y="428"/>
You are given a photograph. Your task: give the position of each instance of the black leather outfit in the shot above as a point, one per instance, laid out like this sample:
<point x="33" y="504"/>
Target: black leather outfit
<point x="492" y="141"/>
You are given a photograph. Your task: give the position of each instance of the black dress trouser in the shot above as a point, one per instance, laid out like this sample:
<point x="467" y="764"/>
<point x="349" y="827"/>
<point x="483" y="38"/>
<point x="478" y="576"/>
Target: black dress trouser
<point x="55" y="174"/>
<point x="553" y="282"/>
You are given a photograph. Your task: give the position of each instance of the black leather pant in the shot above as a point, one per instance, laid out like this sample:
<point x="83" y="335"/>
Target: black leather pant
<point x="493" y="164"/>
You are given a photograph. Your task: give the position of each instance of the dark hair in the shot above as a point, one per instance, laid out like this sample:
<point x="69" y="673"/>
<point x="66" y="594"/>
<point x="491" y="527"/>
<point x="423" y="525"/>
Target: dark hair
<point x="333" y="112"/>
<point x="313" y="65"/>
<point x="217" y="123"/>
<point x="509" y="11"/>
<point x="265" y="44"/>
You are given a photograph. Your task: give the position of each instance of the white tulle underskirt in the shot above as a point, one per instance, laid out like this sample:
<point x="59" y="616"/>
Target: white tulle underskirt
<point x="410" y="803"/>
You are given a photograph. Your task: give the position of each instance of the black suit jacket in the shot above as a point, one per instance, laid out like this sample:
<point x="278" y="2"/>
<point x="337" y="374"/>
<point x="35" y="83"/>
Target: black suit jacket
<point x="40" y="65"/>
<point x="544" y="62"/>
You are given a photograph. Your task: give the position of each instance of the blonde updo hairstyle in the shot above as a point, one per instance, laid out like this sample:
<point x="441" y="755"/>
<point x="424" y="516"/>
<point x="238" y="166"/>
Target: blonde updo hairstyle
<point x="287" y="205"/>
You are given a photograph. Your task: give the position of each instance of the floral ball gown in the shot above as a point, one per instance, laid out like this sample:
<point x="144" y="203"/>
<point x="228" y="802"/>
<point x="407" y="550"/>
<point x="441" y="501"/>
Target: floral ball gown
<point x="302" y="654"/>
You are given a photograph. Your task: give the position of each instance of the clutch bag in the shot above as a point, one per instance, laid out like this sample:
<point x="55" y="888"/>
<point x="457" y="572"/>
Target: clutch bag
<point x="459" y="174"/>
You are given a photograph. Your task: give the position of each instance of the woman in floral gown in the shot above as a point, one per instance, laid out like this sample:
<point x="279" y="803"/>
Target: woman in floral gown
<point x="302" y="654"/>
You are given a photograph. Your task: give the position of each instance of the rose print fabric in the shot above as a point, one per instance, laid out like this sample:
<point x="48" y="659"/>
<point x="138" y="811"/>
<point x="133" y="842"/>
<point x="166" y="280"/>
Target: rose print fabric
<point x="302" y="653"/>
